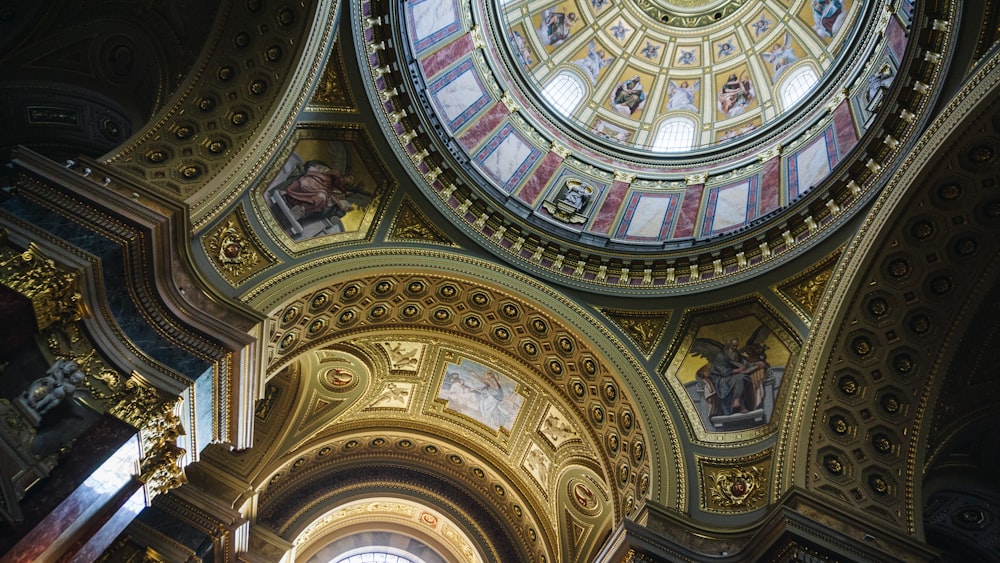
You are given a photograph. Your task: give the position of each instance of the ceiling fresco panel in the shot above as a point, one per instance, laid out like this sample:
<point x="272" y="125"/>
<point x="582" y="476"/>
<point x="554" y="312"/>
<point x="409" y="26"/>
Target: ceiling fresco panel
<point x="328" y="188"/>
<point x="727" y="365"/>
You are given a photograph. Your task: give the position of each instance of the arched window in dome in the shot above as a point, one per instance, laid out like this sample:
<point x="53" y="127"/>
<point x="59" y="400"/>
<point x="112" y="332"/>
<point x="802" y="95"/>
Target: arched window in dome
<point x="796" y="84"/>
<point x="374" y="555"/>
<point x="675" y="134"/>
<point x="565" y="92"/>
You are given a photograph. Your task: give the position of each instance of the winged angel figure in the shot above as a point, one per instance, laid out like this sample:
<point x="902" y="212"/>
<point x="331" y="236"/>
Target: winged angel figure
<point x="733" y="377"/>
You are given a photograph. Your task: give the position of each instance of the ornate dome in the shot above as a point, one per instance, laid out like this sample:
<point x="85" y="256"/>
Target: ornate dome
<point x="650" y="147"/>
<point x="679" y="77"/>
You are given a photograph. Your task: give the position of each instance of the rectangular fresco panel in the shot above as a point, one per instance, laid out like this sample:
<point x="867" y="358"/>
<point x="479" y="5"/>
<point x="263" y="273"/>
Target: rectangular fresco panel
<point x="554" y="26"/>
<point x="458" y="95"/>
<point x="506" y="157"/>
<point x="481" y="393"/>
<point x="430" y="21"/>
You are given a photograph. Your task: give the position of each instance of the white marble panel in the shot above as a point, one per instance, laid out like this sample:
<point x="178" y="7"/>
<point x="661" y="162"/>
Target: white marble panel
<point x="458" y="95"/>
<point x="731" y="206"/>
<point x="813" y="165"/>
<point x="647" y="221"/>
<point x="430" y="16"/>
<point x="503" y="162"/>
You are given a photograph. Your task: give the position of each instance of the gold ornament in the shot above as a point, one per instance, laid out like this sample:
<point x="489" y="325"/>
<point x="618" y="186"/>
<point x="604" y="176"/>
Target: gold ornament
<point x="54" y="293"/>
<point x="738" y="487"/>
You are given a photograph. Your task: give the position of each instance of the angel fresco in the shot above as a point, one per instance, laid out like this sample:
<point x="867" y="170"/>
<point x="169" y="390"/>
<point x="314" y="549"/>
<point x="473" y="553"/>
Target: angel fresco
<point x="828" y="16"/>
<point x="650" y="51"/>
<point x="482" y="394"/>
<point x="593" y="62"/>
<point x="761" y="26"/>
<point x="726" y="49"/>
<point x="620" y="31"/>
<point x="521" y="50"/>
<point x="681" y="95"/>
<point x="781" y="56"/>
<point x="733" y="378"/>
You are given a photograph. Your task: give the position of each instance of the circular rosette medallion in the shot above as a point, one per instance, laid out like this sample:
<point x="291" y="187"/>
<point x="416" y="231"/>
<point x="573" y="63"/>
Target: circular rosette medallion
<point x="339" y="371"/>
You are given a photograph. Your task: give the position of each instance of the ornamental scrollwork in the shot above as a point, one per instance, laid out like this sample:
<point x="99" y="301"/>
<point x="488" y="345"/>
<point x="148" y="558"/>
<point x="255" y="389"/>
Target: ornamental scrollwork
<point x="54" y="293"/>
<point x="737" y="487"/>
<point x="160" y="468"/>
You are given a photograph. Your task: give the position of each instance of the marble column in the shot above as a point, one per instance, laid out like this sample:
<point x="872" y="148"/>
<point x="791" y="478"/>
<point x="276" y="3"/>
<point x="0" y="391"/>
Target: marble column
<point x="88" y="487"/>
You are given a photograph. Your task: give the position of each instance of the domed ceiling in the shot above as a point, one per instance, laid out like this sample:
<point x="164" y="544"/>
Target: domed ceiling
<point x="642" y="146"/>
<point x="674" y="76"/>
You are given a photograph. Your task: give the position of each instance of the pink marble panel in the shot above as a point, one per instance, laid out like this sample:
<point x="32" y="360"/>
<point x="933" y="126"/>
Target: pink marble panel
<point x="440" y="59"/>
<point x="689" y="211"/>
<point x="896" y="38"/>
<point x="609" y="209"/>
<point x="770" y="188"/>
<point x="843" y="125"/>
<point x="483" y="126"/>
<point x="537" y="181"/>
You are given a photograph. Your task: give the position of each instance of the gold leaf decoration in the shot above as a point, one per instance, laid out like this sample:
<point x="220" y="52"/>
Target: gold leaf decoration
<point x="411" y="224"/>
<point x="734" y="485"/>
<point x="332" y="93"/>
<point x="738" y="487"/>
<point x="235" y="254"/>
<point x="54" y="293"/>
<point x="644" y="329"/>
<point x="803" y="292"/>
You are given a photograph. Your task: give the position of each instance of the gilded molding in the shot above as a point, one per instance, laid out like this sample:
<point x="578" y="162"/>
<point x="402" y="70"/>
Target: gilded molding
<point x="841" y="303"/>
<point x="54" y="293"/>
<point x="665" y="448"/>
<point x="643" y="328"/>
<point x="160" y="469"/>
<point x="332" y="92"/>
<point x="671" y="273"/>
<point x="457" y="307"/>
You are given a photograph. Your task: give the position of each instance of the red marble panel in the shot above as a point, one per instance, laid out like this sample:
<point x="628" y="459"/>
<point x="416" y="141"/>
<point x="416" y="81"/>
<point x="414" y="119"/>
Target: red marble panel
<point x="537" y="181"/>
<point x="484" y="126"/>
<point x="116" y="519"/>
<point x="57" y="494"/>
<point x="770" y="186"/>
<point x="445" y="56"/>
<point x="843" y="126"/>
<point x="690" y="206"/>
<point x="608" y="212"/>
<point x="896" y="38"/>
